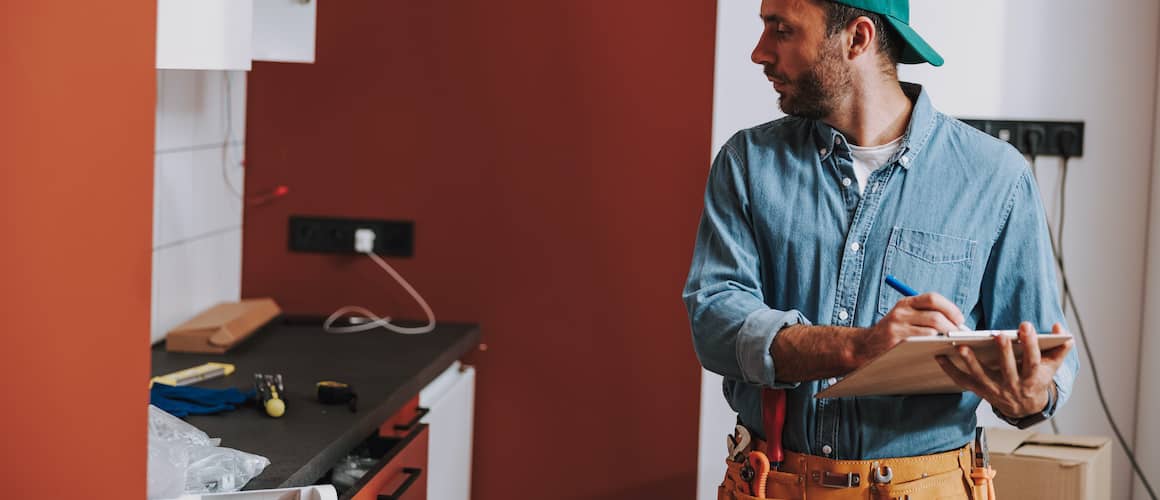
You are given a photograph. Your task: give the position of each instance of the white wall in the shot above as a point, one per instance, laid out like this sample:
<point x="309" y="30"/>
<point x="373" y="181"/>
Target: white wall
<point x="197" y="217"/>
<point x="1063" y="59"/>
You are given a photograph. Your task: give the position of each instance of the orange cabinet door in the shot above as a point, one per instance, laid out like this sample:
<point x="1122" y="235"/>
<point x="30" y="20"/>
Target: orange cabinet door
<point x="404" y="421"/>
<point x="401" y="474"/>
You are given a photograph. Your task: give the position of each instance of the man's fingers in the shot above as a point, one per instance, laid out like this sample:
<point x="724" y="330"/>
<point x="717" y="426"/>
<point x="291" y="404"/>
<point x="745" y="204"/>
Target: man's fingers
<point x="1054" y="356"/>
<point x="931" y="319"/>
<point x="975" y="370"/>
<point x="957" y="376"/>
<point x="1007" y="365"/>
<point x="1030" y="341"/>
<point x="936" y="302"/>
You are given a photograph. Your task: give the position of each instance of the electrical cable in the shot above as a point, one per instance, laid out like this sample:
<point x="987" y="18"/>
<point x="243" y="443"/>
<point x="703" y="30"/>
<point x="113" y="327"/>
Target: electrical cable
<point x="229" y="136"/>
<point x="1091" y="360"/>
<point x="1033" y="147"/>
<point x="1058" y="247"/>
<point x="375" y="321"/>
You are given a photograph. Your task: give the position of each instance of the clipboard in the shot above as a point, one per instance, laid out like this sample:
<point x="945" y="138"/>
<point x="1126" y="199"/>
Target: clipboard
<point x="910" y="368"/>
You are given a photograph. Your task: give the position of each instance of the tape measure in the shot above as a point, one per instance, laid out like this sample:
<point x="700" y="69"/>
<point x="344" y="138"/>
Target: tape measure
<point x="336" y="393"/>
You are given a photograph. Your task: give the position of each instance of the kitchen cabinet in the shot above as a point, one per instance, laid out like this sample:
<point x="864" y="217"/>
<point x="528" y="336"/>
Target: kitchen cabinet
<point x="451" y="400"/>
<point x="284" y="30"/>
<point x="229" y="34"/>
<point x="390" y="373"/>
<point x="204" y="34"/>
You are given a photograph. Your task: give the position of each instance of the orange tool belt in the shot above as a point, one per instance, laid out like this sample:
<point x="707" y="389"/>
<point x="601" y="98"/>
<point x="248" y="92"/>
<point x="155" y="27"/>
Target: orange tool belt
<point x="950" y="474"/>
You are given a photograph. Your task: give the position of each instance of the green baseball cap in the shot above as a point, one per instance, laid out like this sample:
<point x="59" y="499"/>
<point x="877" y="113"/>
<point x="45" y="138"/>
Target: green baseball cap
<point x="915" y="50"/>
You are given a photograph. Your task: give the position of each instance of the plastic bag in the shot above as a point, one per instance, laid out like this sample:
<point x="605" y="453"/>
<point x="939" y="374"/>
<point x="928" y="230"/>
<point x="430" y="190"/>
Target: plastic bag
<point x="184" y="460"/>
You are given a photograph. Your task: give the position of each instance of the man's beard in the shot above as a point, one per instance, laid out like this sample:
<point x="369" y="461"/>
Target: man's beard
<point x="817" y="92"/>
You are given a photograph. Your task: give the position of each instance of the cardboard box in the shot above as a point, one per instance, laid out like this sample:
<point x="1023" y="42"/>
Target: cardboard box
<point x="1031" y="466"/>
<point x="221" y="327"/>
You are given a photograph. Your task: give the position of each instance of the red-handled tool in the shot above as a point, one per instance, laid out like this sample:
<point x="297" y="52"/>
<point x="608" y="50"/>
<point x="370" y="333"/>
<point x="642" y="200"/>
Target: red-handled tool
<point x="773" y="416"/>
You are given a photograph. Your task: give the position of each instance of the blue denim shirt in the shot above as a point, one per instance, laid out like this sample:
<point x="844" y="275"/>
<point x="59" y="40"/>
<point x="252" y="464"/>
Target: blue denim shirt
<point x="786" y="239"/>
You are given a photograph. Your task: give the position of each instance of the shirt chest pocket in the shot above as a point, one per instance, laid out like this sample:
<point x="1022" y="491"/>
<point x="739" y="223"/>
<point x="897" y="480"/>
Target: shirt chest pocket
<point x="928" y="262"/>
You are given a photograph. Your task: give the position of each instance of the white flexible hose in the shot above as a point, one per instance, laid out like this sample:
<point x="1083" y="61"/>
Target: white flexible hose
<point x="375" y="321"/>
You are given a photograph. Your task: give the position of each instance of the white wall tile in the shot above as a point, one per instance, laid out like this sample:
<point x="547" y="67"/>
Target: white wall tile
<point x="176" y="112"/>
<point x="194" y="198"/>
<point x="191" y="107"/>
<point x="217" y="182"/>
<point x="210" y="104"/>
<point x="158" y="164"/>
<point x="154" y="310"/>
<point x="218" y="202"/>
<point x="158" y="113"/>
<point x="174" y="198"/>
<point x="238" y="105"/>
<point x="193" y="276"/>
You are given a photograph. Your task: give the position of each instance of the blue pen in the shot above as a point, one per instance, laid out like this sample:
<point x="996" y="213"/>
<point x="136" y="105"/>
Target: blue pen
<point x="900" y="286"/>
<point x="909" y="292"/>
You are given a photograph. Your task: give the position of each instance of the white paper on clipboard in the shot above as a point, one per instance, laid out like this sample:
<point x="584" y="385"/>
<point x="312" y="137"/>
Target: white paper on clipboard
<point x="910" y="367"/>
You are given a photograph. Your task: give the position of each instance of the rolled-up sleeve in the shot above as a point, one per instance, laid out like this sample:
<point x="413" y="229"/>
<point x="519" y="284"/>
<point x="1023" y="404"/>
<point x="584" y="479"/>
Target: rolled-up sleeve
<point x="732" y="326"/>
<point x="1019" y="283"/>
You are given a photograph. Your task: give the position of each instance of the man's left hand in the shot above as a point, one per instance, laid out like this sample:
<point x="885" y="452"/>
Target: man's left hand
<point x="1014" y="388"/>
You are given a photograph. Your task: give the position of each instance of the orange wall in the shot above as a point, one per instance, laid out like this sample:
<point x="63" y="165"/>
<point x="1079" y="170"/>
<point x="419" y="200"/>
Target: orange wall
<point x="553" y="156"/>
<point x="77" y="92"/>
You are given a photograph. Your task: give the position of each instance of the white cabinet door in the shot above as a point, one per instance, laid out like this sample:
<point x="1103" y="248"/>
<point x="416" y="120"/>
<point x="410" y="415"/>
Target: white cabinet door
<point x="284" y="30"/>
<point x="451" y="398"/>
<point x="204" y="34"/>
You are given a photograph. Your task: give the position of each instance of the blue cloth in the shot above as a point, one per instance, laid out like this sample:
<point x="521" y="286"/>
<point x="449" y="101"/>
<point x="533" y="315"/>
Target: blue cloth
<point x="188" y="400"/>
<point x="783" y="240"/>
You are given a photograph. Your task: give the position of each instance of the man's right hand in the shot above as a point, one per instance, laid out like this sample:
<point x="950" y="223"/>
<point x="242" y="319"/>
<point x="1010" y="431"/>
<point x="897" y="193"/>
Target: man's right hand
<point x="920" y="315"/>
<point x="804" y="353"/>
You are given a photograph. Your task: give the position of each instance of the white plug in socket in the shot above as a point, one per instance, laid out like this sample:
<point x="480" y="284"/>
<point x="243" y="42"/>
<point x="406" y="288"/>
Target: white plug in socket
<point x="364" y="240"/>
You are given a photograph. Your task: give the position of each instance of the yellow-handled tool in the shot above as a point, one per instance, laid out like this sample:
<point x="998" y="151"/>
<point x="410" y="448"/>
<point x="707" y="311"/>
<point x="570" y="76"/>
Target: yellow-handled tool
<point x="193" y="375"/>
<point x="270" y="391"/>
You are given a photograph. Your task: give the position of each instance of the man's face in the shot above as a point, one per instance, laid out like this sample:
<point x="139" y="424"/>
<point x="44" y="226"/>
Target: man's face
<point x="806" y="67"/>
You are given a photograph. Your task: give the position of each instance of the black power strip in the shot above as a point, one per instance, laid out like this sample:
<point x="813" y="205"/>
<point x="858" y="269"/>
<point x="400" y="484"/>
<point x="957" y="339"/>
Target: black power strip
<point x="1035" y="138"/>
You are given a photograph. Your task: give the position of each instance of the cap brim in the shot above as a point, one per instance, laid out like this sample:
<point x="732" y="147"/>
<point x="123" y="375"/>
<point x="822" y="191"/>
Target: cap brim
<point x="915" y="50"/>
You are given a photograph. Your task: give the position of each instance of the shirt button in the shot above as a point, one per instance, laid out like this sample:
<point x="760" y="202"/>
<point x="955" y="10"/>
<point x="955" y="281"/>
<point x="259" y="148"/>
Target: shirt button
<point x="846" y="182"/>
<point x="831" y="381"/>
<point x="855" y="246"/>
<point x="842" y="315"/>
<point x="905" y="160"/>
<point x="827" y="450"/>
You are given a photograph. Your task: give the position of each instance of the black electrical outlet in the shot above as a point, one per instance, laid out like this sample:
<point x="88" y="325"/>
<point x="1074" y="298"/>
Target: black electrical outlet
<point x="336" y="235"/>
<point x="1039" y="138"/>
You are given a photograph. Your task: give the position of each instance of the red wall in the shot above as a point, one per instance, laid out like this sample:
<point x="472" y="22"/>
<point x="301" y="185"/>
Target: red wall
<point x="77" y="89"/>
<point x="553" y="156"/>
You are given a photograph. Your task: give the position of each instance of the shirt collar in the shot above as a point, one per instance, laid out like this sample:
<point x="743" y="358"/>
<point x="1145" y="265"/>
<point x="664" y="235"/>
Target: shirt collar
<point x="918" y="130"/>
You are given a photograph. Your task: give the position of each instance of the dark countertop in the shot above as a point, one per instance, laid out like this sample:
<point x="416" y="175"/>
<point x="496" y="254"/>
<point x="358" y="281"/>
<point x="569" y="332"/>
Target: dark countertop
<point x="386" y="370"/>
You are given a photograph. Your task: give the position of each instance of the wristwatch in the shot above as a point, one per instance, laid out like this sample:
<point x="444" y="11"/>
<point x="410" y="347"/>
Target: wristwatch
<point x="1034" y="418"/>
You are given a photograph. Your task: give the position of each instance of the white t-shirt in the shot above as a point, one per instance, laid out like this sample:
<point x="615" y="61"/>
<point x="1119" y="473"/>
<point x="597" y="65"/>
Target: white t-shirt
<point x="869" y="159"/>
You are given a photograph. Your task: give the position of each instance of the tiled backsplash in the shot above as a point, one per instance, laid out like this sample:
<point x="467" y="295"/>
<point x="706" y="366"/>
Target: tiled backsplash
<point x="197" y="212"/>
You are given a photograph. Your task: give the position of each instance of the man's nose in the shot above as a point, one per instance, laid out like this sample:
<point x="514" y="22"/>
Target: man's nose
<point x="761" y="54"/>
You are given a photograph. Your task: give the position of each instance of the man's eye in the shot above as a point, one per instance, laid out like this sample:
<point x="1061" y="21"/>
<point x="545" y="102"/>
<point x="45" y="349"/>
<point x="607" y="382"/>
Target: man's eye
<point x="782" y="29"/>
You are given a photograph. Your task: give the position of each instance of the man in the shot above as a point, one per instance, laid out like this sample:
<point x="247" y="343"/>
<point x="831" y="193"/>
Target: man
<point x="804" y="217"/>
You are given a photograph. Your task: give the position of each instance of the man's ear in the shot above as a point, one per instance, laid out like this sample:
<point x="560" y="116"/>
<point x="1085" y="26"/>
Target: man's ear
<point x="862" y="36"/>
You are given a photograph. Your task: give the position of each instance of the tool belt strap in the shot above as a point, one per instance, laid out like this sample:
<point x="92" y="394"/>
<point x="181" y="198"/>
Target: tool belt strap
<point x="904" y="469"/>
